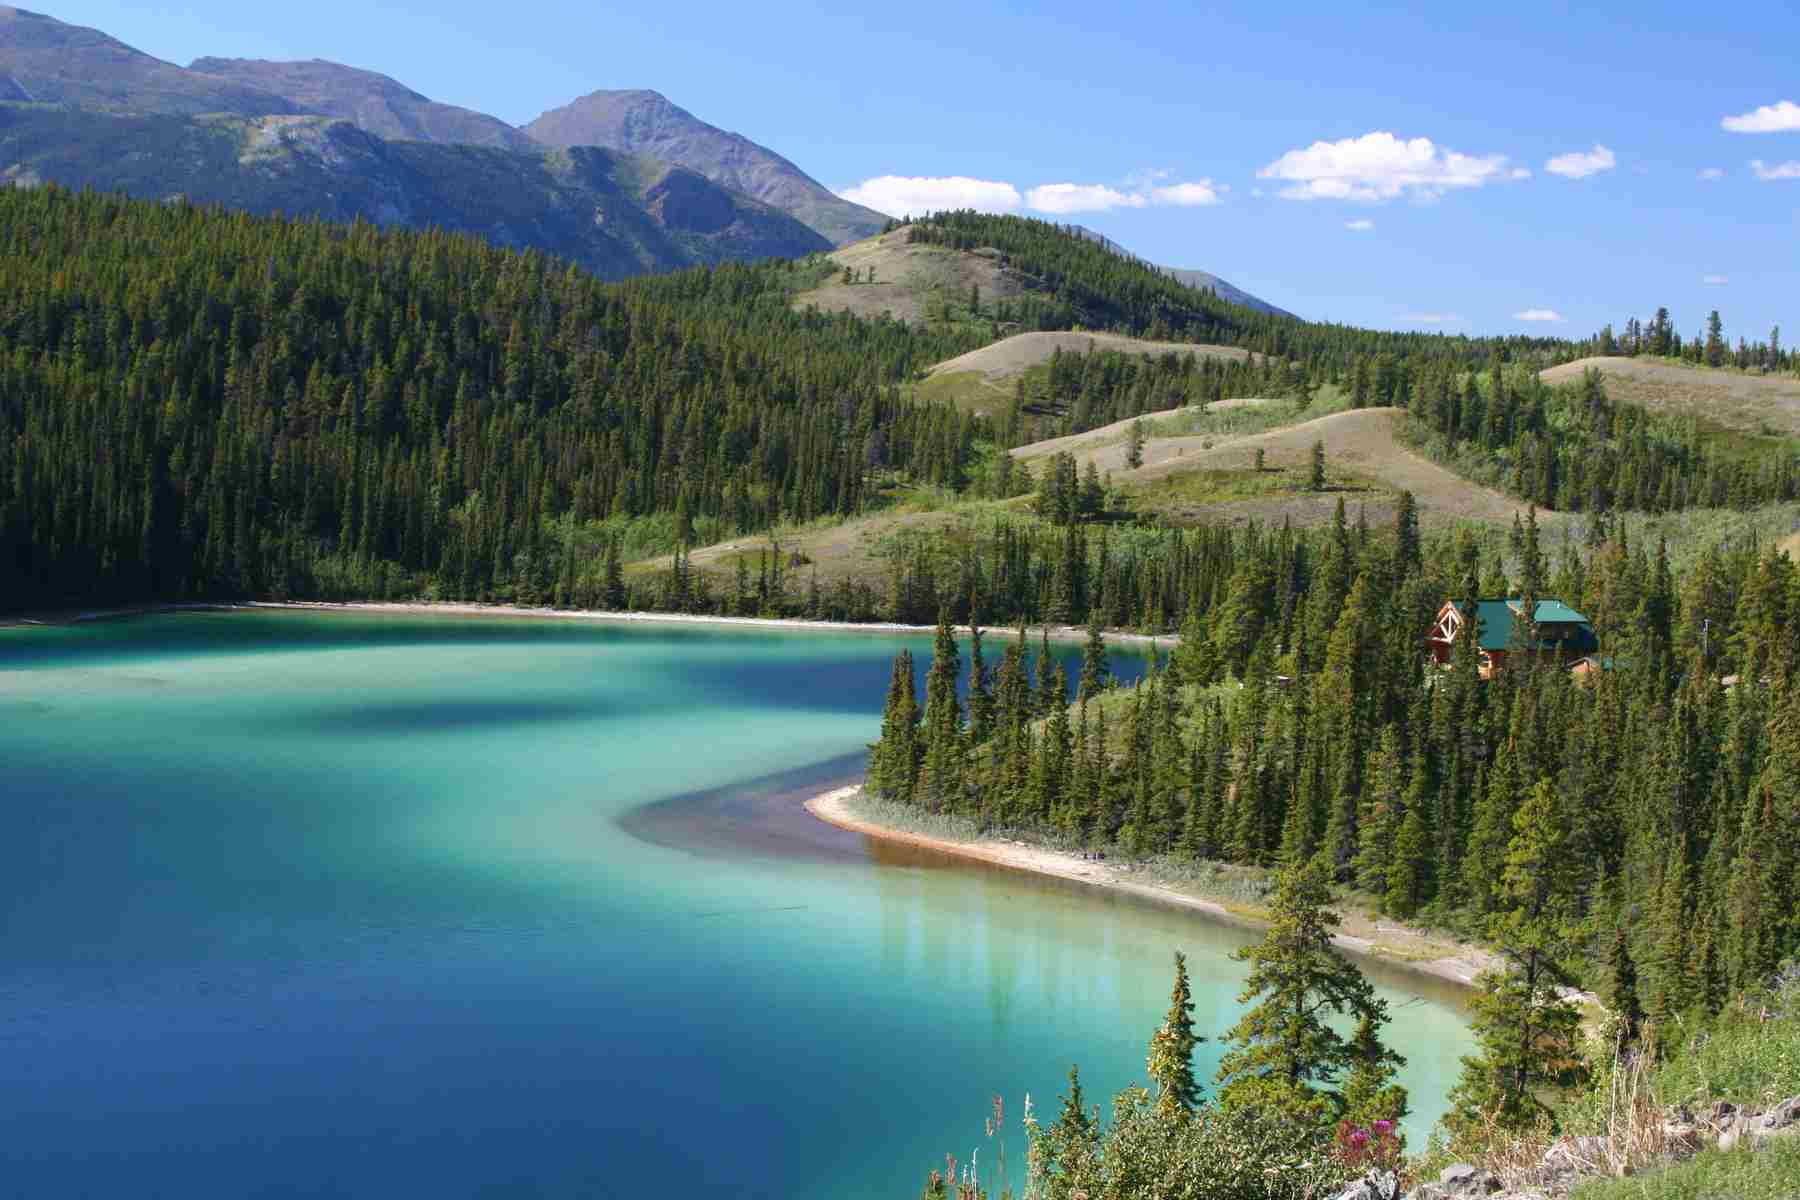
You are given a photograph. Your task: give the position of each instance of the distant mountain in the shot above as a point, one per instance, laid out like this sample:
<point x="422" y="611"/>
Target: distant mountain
<point x="44" y="61"/>
<point x="82" y="109"/>
<point x="616" y="214"/>
<point x="376" y="103"/>
<point x="1194" y="279"/>
<point x="644" y="122"/>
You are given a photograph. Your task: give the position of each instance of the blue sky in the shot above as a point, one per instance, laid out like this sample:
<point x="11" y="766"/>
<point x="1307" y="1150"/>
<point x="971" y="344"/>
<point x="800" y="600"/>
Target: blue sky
<point x="1381" y="165"/>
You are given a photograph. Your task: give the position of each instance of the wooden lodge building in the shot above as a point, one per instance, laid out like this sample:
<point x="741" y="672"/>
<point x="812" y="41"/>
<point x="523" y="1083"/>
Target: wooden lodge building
<point x="1564" y="636"/>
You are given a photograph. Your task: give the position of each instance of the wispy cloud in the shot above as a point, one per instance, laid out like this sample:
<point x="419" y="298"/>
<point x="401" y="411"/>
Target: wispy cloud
<point x="1431" y="318"/>
<point x="1709" y="174"/>
<point x="901" y="195"/>
<point x="1717" y="280"/>
<point x="1781" y="117"/>
<point x="1362" y="226"/>
<point x="1378" y="166"/>
<point x="1581" y="164"/>
<point x="1769" y="172"/>
<point x="1540" y="314"/>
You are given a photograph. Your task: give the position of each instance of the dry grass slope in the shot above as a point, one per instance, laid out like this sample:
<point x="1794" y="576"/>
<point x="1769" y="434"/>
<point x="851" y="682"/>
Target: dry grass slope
<point x="906" y="276"/>
<point x="1015" y="355"/>
<point x="982" y="380"/>
<point x="1360" y="446"/>
<point x="1729" y="398"/>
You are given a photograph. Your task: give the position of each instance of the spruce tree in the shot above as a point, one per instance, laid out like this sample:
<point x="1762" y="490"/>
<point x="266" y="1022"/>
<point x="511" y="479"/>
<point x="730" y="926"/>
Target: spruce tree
<point x="945" y="754"/>
<point x="1095" y="669"/>
<point x="1526" y="1029"/>
<point x="1171" y="1061"/>
<point x="1286" y="1059"/>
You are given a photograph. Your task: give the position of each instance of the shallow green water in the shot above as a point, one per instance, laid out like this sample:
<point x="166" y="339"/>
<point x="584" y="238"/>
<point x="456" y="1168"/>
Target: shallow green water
<point x="305" y="905"/>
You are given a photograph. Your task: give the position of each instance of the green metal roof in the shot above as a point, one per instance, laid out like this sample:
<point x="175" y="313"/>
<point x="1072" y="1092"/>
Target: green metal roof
<point x="1499" y="616"/>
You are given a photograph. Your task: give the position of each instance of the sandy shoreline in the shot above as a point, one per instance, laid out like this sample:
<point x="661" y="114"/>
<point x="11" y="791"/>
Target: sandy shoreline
<point x="833" y="808"/>
<point x="1057" y="633"/>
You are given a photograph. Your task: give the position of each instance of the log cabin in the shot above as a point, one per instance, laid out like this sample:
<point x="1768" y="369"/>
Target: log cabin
<point x="1564" y="636"/>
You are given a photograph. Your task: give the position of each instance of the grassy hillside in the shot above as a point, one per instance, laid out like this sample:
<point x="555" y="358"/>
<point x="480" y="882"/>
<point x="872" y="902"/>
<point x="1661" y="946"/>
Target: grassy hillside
<point x="913" y="282"/>
<point x="1767" y="404"/>
<point x="983" y="380"/>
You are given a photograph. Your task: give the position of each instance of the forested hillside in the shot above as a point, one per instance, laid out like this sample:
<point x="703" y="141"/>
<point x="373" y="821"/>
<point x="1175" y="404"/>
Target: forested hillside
<point x="195" y="403"/>
<point x="1636" y="832"/>
<point x="204" y="404"/>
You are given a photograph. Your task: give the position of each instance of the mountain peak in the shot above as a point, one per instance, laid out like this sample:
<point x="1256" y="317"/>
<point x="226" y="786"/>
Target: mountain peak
<point x="642" y="121"/>
<point x="49" y="61"/>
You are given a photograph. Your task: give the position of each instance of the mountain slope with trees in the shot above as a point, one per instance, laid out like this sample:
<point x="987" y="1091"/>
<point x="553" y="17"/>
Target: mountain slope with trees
<point x="613" y="214"/>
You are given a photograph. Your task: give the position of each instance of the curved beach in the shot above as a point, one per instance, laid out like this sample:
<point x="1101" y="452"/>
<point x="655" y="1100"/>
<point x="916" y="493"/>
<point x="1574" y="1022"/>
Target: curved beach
<point x="1391" y="944"/>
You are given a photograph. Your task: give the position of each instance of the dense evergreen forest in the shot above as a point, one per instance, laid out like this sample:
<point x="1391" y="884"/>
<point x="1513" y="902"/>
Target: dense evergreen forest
<point x="201" y="404"/>
<point x="1655" y="805"/>
<point x="1572" y="449"/>
<point x="198" y="404"/>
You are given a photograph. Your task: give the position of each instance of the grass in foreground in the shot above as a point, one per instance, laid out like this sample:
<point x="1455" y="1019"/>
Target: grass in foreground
<point x="1769" y="1173"/>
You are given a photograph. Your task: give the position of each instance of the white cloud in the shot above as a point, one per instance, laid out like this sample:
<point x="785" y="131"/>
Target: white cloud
<point x="1060" y="198"/>
<point x="1780" y="117"/>
<point x="1711" y="173"/>
<point x="1431" y="318"/>
<point x="1768" y="172"/>
<point x="1187" y="195"/>
<point x="1717" y="280"/>
<point x="900" y="195"/>
<point x="1580" y="164"/>
<point x="1379" y="166"/>
<point x="1539" y="314"/>
<point x="1362" y="226"/>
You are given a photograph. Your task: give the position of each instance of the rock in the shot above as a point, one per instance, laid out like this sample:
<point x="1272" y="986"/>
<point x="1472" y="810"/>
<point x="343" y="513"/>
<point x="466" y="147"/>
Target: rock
<point x="1461" y="1179"/>
<point x="1681" y="1138"/>
<point x="1733" y="1134"/>
<point x="1782" y="1116"/>
<point x="1375" y="1185"/>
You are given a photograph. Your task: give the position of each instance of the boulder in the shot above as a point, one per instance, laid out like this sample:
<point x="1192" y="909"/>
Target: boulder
<point x="1463" y="1180"/>
<point x="1375" y="1185"/>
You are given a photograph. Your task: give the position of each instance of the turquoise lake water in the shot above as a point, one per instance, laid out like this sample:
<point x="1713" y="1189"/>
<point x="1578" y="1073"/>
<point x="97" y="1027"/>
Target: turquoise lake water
<point x="346" y="905"/>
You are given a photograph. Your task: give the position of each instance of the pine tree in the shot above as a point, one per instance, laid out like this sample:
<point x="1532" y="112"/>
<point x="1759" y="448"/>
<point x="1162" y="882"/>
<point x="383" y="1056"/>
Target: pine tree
<point x="1624" y="998"/>
<point x="945" y="754"/>
<point x="1095" y="669"/>
<point x="1171" y="1061"/>
<point x="1370" y="1093"/>
<point x="1527" y="1030"/>
<point x="1285" y="1058"/>
<point x="1316" y="481"/>
<point x="613" y="593"/>
<point x="894" y="762"/>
